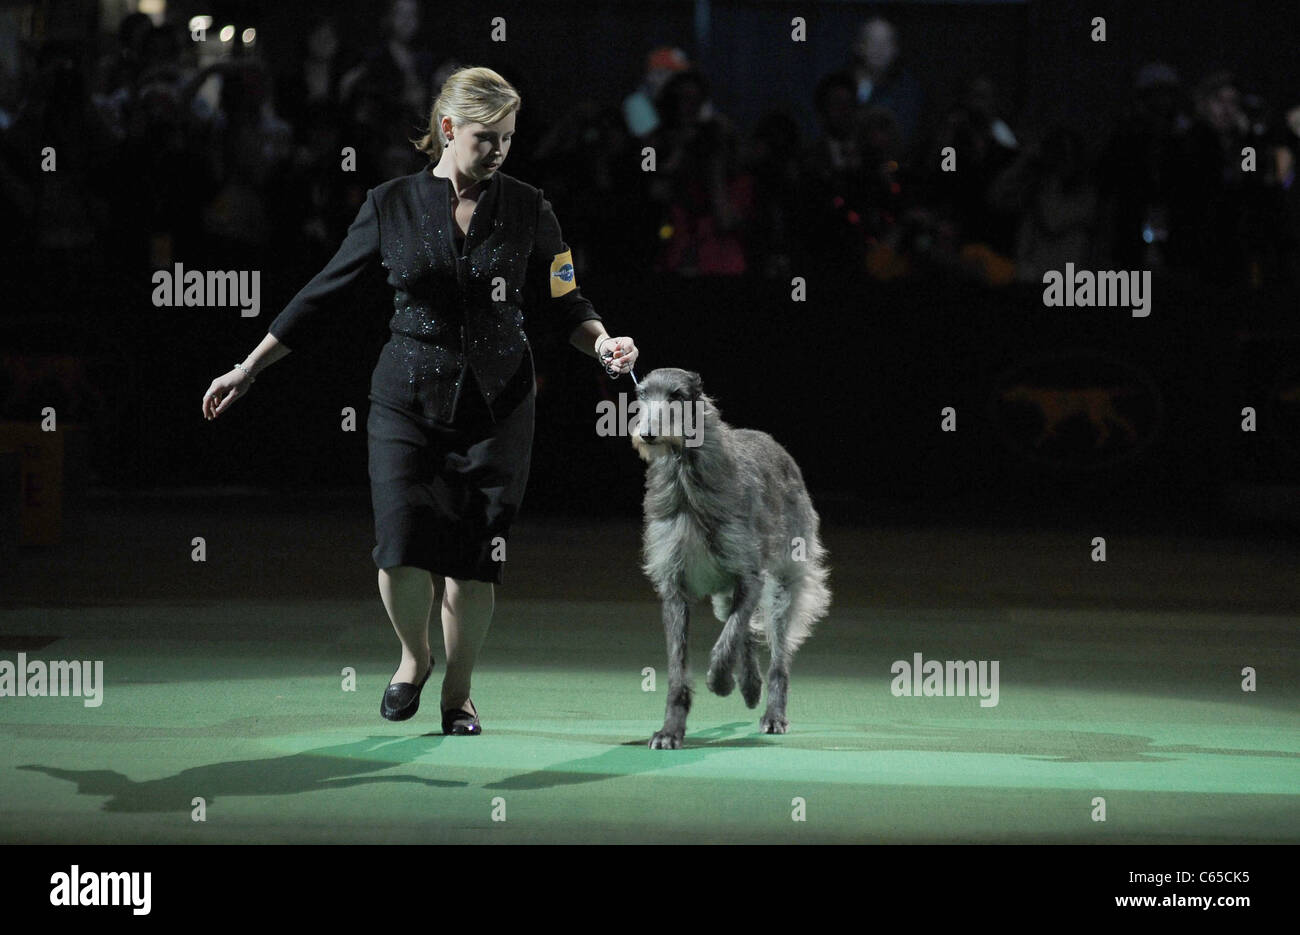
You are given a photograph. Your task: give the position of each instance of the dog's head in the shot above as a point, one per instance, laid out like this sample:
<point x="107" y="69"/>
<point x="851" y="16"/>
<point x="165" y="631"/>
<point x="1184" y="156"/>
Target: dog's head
<point x="670" y="413"/>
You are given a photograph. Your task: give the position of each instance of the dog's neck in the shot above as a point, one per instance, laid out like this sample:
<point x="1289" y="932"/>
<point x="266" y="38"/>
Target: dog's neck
<point x="687" y="479"/>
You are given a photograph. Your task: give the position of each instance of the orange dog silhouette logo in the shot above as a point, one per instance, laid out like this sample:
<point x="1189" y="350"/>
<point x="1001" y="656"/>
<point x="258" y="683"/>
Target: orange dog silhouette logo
<point x="1081" y="410"/>
<point x="1057" y="406"/>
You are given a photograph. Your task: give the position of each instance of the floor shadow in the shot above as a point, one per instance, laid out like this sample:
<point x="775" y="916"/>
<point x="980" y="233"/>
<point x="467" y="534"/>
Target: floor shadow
<point x="633" y="757"/>
<point x="1053" y="746"/>
<point x="315" y="770"/>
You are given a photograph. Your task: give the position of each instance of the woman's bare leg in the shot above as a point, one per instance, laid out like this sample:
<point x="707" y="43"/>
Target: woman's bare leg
<point x="466" y="614"/>
<point x="408" y="594"/>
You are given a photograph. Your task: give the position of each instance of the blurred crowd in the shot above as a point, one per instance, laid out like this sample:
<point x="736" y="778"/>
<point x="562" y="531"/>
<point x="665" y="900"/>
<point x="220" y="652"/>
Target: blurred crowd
<point x="164" y="157"/>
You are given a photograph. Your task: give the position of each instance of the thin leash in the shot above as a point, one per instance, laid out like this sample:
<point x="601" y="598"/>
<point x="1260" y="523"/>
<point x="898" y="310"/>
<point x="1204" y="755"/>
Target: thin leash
<point x="614" y="375"/>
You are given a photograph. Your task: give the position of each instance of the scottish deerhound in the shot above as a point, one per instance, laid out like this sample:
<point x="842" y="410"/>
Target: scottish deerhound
<point x="727" y="516"/>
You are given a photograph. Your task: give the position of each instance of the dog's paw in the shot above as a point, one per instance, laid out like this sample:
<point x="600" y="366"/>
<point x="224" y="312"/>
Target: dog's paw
<point x="720" y="681"/>
<point x="773" y="724"/>
<point x="751" y="689"/>
<point x="664" y="740"/>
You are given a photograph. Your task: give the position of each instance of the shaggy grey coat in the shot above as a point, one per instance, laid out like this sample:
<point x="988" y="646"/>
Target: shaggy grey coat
<point x="727" y="516"/>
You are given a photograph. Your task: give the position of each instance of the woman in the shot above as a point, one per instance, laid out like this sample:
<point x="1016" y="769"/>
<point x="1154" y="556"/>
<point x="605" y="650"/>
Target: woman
<point x="468" y="250"/>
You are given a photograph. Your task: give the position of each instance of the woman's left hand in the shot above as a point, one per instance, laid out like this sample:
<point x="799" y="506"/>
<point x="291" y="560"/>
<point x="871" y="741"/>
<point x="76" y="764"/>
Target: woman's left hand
<point x="624" y="355"/>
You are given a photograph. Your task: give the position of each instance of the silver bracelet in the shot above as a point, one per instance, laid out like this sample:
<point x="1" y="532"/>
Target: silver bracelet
<point x="602" y="341"/>
<point x="251" y="378"/>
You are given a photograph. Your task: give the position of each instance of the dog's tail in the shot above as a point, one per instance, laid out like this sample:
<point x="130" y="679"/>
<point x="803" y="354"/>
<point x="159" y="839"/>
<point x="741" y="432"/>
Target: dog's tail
<point x="809" y="599"/>
<point x="805" y="599"/>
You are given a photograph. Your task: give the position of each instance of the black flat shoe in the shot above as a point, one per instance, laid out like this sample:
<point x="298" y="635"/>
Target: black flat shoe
<point x="457" y="722"/>
<point x="402" y="699"/>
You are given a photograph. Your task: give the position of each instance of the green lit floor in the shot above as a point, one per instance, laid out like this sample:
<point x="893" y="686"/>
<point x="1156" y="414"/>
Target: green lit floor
<point x="238" y="701"/>
<point x="263" y="732"/>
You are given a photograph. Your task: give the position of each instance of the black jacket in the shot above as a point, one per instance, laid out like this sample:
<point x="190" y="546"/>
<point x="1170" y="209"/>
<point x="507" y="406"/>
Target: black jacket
<point x="450" y="311"/>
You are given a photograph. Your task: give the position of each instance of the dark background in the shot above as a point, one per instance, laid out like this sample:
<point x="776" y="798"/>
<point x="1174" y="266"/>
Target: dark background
<point x="910" y="308"/>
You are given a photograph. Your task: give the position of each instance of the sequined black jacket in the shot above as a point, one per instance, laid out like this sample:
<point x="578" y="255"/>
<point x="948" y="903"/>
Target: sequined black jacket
<point x="451" y="311"/>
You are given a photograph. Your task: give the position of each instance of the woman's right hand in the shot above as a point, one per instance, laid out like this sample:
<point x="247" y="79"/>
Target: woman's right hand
<point x="224" y="391"/>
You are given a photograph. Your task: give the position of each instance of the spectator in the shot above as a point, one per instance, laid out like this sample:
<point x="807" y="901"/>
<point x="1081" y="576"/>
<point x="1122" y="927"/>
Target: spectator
<point x="639" y="111"/>
<point x="704" y="197"/>
<point x="396" y="76"/>
<point x="771" y="157"/>
<point x="984" y="146"/>
<point x="592" y="168"/>
<point x="835" y="194"/>
<point x="61" y="214"/>
<point x="1286" y="155"/>
<point x="119" y="72"/>
<point x="1136" y="166"/>
<point x="1051" y="186"/>
<point x="881" y="79"/>
<point x="313" y="82"/>
<point x="1206" y="221"/>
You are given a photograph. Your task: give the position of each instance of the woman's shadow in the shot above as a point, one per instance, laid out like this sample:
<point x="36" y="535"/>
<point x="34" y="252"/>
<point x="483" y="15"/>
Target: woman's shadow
<point x="333" y="767"/>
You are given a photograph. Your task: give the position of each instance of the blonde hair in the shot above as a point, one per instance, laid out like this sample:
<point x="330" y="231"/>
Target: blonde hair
<point x="469" y="95"/>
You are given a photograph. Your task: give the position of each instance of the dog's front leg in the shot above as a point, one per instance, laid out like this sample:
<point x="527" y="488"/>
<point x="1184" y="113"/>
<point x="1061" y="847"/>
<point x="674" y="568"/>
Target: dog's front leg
<point x="723" y="658"/>
<point x="676" y="622"/>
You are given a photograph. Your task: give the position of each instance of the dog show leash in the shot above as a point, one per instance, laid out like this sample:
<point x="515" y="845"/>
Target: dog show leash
<point x="614" y="375"/>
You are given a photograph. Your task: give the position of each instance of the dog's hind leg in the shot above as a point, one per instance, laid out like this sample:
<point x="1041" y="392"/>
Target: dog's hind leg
<point x="751" y="682"/>
<point x="778" y="675"/>
<point x="677" y="616"/>
<point x="722" y="660"/>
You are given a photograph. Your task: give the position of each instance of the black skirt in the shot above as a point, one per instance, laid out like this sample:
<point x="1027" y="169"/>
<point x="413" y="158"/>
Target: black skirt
<point x="444" y="496"/>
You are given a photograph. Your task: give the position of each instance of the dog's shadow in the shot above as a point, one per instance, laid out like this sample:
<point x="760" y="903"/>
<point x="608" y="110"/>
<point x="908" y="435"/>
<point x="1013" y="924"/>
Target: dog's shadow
<point x="634" y="756"/>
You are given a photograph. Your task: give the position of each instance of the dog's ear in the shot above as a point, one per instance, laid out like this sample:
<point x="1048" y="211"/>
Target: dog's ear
<point x="694" y="384"/>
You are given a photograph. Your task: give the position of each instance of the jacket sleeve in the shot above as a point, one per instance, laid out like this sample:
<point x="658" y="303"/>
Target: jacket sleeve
<point x="323" y="299"/>
<point x="552" y="281"/>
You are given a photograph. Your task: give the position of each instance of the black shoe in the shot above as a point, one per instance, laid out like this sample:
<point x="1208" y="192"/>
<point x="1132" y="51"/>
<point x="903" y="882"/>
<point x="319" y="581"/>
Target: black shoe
<point x="455" y="721"/>
<point x="402" y="699"/>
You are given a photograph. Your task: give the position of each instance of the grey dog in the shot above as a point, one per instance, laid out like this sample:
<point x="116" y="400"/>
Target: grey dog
<point x="726" y="516"/>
